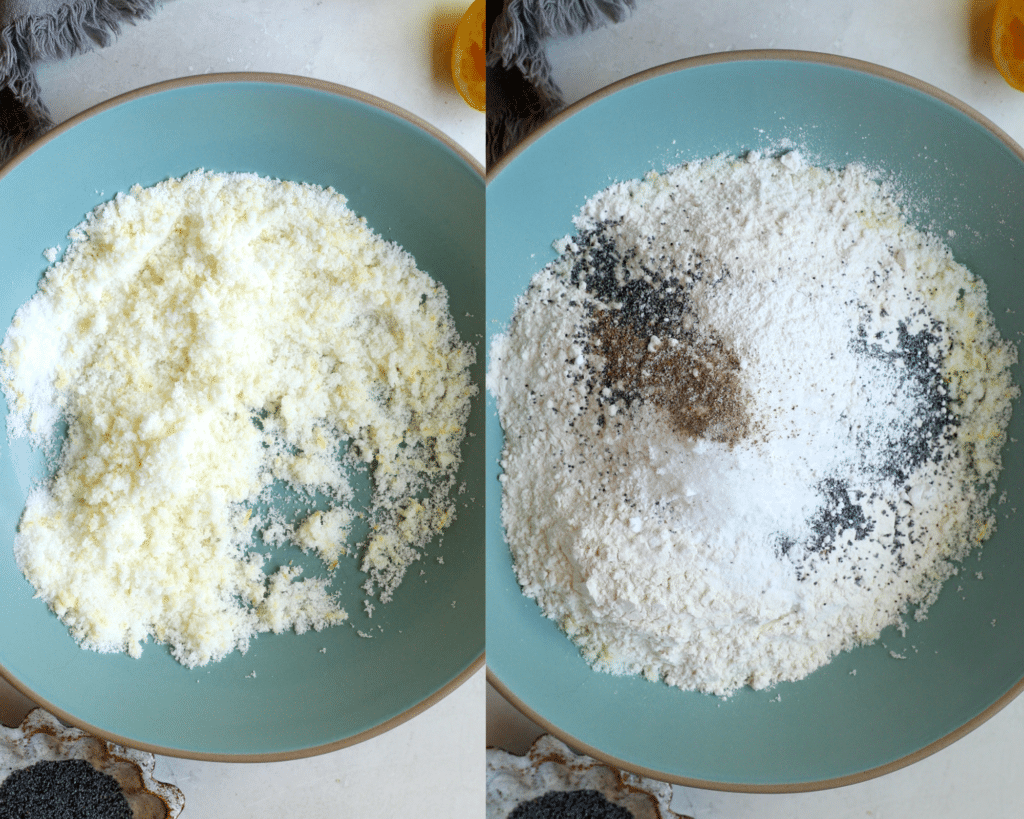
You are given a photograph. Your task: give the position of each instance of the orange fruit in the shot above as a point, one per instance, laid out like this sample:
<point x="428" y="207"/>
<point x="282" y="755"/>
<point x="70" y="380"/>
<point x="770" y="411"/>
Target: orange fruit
<point x="1008" y="41"/>
<point x="469" y="51"/>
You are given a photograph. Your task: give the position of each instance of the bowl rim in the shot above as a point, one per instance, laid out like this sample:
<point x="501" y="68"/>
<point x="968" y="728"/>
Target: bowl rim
<point x="755" y="55"/>
<point x="295" y="81"/>
<point x="268" y="77"/>
<point x="674" y="66"/>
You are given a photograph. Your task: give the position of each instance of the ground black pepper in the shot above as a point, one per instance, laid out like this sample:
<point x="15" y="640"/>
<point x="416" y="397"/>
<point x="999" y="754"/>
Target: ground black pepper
<point x="651" y="346"/>
<point x="695" y="380"/>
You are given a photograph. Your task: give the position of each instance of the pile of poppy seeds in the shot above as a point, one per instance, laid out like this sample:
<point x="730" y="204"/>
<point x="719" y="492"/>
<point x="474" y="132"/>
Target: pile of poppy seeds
<point x="752" y="417"/>
<point x="581" y="804"/>
<point x="62" y="789"/>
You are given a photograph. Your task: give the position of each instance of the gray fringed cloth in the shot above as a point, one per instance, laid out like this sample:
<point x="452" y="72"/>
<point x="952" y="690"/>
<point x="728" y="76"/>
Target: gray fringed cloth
<point x="521" y="93"/>
<point x="32" y="31"/>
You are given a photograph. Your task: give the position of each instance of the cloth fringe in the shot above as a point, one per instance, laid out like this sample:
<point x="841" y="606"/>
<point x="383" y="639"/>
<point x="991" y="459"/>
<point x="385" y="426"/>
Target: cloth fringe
<point x="75" y="27"/>
<point x="524" y="92"/>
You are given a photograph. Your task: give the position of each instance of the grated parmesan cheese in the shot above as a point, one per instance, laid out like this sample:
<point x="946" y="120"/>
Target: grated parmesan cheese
<point x="211" y="341"/>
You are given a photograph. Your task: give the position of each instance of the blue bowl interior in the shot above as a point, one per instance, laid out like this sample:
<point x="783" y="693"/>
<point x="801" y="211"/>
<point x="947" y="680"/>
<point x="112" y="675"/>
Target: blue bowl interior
<point x="317" y="690"/>
<point x="866" y="712"/>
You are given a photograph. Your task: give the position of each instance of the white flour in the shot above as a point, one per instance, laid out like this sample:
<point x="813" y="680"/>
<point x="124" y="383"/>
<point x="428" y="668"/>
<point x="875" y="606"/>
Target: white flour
<point x="212" y="341"/>
<point x="751" y="416"/>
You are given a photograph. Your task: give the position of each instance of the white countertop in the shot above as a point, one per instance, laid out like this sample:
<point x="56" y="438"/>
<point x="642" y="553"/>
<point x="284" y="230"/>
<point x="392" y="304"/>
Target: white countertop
<point x="397" y="50"/>
<point x="944" y="43"/>
<point x="432" y="765"/>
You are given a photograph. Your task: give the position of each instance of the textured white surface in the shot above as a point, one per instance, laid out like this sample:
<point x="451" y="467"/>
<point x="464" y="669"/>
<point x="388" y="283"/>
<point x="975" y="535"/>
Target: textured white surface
<point x="398" y="50"/>
<point x="944" y="43"/>
<point x="433" y="764"/>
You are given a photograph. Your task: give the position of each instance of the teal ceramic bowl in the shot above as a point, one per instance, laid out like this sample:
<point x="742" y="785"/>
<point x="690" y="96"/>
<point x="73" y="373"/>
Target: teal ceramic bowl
<point x="312" y="692"/>
<point x="967" y="659"/>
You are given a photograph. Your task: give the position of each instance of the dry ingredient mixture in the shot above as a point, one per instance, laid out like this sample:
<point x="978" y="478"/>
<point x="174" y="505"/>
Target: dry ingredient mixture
<point x="751" y="417"/>
<point x="211" y="342"/>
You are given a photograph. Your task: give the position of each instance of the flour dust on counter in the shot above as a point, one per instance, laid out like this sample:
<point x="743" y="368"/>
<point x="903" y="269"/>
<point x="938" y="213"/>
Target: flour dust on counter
<point x="752" y="417"/>
<point x="210" y="343"/>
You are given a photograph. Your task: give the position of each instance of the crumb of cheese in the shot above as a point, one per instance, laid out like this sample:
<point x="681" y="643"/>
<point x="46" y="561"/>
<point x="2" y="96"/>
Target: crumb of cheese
<point x="208" y="339"/>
